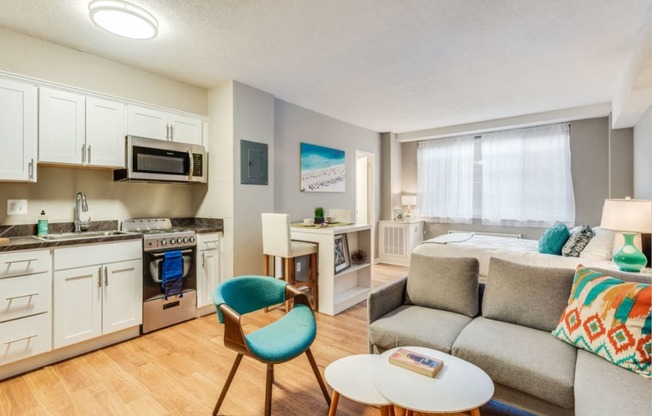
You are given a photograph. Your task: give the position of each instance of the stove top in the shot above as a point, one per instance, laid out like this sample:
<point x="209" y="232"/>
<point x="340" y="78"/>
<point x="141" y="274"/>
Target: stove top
<point x="158" y="234"/>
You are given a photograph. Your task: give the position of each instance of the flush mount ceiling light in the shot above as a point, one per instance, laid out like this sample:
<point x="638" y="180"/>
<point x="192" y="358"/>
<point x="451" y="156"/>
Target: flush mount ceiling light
<point x="123" y="19"/>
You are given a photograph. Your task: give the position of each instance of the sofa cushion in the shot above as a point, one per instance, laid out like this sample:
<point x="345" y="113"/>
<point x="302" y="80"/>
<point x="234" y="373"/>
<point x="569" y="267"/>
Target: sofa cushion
<point x="525" y="359"/>
<point x="526" y="295"/>
<point x="611" y="318"/>
<point x="444" y="283"/>
<point x="416" y="325"/>
<point x="553" y="239"/>
<point x="602" y="388"/>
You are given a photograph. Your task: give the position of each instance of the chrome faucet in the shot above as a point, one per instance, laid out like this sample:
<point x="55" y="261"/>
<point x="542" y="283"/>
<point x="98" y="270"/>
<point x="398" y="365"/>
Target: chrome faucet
<point x="80" y="203"/>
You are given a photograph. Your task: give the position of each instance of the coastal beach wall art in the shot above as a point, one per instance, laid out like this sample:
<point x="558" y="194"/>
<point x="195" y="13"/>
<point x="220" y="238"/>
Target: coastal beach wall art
<point x="322" y="169"/>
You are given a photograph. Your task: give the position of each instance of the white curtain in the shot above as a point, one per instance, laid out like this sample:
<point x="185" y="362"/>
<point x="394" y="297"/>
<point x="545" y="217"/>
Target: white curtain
<point x="526" y="177"/>
<point x="445" y="180"/>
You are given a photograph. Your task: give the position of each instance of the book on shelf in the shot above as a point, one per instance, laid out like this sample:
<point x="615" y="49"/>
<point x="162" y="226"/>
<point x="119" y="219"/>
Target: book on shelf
<point x="417" y="362"/>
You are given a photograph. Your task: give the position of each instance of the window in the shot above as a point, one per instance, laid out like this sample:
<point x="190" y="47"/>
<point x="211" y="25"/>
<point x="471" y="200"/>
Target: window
<point x="517" y="177"/>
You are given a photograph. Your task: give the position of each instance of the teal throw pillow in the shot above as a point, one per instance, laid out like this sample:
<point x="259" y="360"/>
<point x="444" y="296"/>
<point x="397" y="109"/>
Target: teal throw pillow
<point x="553" y="240"/>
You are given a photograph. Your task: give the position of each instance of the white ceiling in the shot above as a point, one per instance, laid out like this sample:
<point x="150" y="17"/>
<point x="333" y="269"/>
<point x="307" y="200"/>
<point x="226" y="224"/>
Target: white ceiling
<point x="387" y="65"/>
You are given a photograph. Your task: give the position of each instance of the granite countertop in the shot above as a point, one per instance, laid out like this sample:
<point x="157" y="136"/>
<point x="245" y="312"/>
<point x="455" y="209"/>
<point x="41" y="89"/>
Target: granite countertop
<point x="22" y="237"/>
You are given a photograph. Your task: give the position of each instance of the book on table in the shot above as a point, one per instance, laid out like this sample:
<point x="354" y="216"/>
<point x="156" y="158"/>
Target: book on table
<point x="417" y="362"/>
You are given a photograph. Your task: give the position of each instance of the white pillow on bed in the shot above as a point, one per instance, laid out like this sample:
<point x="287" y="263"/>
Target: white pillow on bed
<point x="600" y="247"/>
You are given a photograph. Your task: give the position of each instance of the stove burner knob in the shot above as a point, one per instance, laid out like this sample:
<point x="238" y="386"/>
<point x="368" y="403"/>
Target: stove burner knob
<point x="185" y="240"/>
<point x="163" y="242"/>
<point x="192" y="239"/>
<point x="172" y="241"/>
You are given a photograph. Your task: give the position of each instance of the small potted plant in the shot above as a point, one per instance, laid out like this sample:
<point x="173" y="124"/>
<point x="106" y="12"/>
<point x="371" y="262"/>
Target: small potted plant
<point x="319" y="215"/>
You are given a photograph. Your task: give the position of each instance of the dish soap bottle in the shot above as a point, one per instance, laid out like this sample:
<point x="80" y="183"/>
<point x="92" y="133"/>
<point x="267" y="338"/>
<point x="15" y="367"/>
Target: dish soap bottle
<point x="42" y="226"/>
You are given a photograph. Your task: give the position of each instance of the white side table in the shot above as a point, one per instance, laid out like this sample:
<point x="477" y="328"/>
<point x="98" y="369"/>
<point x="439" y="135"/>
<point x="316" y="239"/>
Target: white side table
<point x="458" y="387"/>
<point x="352" y="377"/>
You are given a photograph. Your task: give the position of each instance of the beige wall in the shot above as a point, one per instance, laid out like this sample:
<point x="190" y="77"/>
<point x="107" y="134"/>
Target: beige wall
<point x="590" y="147"/>
<point x="57" y="186"/>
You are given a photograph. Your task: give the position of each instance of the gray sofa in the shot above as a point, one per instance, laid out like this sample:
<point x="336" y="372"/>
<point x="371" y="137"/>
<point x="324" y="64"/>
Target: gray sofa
<point x="504" y="327"/>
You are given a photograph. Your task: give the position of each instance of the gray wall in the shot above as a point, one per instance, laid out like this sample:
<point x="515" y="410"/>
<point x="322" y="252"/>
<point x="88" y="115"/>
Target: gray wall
<point x="294" y="125"/>
<point x="643" y="157"/>
<point x="589" y="141"/>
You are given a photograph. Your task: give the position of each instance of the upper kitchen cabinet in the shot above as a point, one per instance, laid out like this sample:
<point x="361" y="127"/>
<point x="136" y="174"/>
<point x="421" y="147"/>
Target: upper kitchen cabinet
<point x="79" y="130"/>
<point x="61" y="127"/>
<point x="105" y="133"/>
<point x="18" y="118"/>
<point x="156" y="124"/>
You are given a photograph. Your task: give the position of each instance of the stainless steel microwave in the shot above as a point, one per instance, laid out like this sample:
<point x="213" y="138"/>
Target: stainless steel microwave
<point x="154" y="160"/>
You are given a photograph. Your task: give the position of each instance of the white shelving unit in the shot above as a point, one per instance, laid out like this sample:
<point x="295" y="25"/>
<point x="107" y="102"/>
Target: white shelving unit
<point x="339" y="291"/>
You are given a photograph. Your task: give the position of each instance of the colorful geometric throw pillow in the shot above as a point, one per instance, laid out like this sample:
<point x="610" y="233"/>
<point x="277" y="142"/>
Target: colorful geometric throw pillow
<point x="610" y="318"/>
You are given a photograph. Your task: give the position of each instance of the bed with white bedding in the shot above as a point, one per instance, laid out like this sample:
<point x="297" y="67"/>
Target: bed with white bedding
<point x="516" y="250"/>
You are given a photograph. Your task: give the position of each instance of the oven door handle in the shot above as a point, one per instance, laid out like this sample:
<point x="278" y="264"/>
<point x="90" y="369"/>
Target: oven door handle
<point x="162" y="254"/>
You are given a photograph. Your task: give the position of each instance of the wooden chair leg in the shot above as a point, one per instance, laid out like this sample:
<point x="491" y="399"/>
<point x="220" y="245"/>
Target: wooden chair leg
<point x="475" y="412"/>
<point x="268" y="389"/>
<point x="315" y="281"/>
<point x="229" y="379"/>
<point x="333" y="409"/>
<point x="266" y="264"/>
<point x="320" y="380"/>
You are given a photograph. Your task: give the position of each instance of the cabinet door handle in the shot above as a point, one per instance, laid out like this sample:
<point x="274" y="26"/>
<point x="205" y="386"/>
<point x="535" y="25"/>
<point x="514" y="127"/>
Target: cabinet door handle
<point x="28" y="295"/>
<point x="83" y="154"/>
<point x="171" y="132"/>
<point x="20" y="261"/>
<point x="31" y="169"/>
<point x="99" y="278"/>
<point x="106" y="276"/>
<point x="203" y="261"/>
<point x="89" y="154"/>
<point x="123" y="270"/>
<point x="21" y="339"/>
<point x="167" y="132"/>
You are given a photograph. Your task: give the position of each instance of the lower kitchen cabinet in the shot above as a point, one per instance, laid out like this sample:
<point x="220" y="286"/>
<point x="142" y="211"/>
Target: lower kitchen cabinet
<point x="25" y="305"/>
<point x="97" y="291"/>
<point x="208" y="274"/>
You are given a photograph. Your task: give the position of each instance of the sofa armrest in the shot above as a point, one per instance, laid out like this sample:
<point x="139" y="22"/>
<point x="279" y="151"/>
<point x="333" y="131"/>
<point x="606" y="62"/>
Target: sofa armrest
<point x="385" y="298"/>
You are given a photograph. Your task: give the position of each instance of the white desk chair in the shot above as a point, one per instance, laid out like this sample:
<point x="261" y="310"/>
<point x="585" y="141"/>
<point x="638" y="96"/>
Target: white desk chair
<point x="277" y="242"/>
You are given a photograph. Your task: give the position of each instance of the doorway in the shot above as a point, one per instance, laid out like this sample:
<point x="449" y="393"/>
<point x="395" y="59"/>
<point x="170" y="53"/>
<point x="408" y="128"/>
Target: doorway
<point x="365" y="199"/>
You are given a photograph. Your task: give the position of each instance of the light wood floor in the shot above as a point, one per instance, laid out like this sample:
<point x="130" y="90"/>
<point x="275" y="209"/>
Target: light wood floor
<point x="180" y="371"/>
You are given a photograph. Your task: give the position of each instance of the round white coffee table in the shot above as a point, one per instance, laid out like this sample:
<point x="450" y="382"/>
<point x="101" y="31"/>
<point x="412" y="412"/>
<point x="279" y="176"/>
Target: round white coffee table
<point x="352" y="377"/>
<point x="458" y="387"/>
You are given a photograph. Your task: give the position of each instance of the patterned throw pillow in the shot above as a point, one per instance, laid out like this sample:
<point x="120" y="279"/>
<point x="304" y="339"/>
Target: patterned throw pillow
<point x="580" y="237"/>
<point x="610" y="318"/>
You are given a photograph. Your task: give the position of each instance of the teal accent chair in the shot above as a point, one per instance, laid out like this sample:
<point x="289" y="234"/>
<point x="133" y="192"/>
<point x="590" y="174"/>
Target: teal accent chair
<point x="278" y="342"/>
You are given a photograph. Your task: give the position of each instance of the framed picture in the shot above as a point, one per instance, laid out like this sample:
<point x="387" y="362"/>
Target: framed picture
<point x="322" y="169"/>
<point x="342" y="259"/>
<point x="398" y="215"/>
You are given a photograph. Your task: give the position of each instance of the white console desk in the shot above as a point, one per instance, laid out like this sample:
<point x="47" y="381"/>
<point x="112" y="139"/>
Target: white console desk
<point x="348" y="287"/>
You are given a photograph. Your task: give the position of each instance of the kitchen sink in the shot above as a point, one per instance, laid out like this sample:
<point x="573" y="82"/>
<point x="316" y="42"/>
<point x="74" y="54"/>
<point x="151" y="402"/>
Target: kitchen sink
<point x="83" y="234"/>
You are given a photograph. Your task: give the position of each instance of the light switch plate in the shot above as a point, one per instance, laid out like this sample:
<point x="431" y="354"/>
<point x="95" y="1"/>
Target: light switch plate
<point x="16" y="207"/>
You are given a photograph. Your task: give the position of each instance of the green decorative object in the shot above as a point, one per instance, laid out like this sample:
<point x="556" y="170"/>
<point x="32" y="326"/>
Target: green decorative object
<point x="629" y="258"/>
<point x="358" y="257"/>
<point x="319" y="215"/>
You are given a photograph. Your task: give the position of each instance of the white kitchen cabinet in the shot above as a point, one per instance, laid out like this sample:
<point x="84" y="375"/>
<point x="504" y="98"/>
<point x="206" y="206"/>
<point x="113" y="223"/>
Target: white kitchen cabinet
<point x="18" y="131"/>
<point x="397" y="240"/>
<point x="209" y="271"/>
<point x="97" y="290"/>
<point x="105" y="133"/>
<point x="157" y="124"/>
<point x="79" y="130"/>
<point x="62" y="127"/>
<point x="25" y="305"/>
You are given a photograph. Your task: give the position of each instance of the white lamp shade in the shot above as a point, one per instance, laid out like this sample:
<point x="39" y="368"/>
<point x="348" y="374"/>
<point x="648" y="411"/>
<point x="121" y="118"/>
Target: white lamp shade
<point x="408" y="200"/>
<point x="628" y="215"/>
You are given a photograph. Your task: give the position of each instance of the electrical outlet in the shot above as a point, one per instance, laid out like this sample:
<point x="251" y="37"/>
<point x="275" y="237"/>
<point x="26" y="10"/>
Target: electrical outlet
<point x="16" y="207"/>
<point x="298" y="267"/>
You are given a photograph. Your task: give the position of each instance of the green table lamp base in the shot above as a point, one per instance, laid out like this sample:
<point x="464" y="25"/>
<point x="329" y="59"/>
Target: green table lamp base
<point x="629" y="258"/>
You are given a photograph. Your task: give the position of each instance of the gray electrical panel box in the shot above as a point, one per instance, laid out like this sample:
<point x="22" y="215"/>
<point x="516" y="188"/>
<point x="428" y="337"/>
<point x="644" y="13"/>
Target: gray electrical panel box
<point x="253" y="163"/>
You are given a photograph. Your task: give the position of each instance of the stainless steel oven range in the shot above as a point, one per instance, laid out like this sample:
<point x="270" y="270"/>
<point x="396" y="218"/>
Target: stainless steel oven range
<point x="159" y="238"/>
